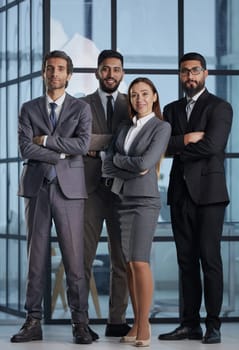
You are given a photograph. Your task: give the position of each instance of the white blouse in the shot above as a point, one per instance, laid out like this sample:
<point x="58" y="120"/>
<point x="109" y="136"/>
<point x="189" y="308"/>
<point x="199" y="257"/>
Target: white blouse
<point x="135" y="129"/>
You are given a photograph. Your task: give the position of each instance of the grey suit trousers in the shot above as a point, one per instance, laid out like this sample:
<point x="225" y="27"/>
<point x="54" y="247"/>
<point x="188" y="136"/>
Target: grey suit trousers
<point x="99" y="208"/>
<point x="68" y="218"/>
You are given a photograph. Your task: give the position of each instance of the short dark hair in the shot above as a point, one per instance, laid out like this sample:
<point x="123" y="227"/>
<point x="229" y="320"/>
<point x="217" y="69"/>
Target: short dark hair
<point x="58" y="54"/>
<point x="193" y="56"/>
<point x="109" y="54"/>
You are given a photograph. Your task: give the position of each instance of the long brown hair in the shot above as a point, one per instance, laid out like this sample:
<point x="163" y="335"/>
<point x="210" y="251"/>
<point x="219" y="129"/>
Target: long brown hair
<point x="156" y="105"/>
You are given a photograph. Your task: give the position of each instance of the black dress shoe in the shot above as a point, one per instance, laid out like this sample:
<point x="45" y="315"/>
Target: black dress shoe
<point x="183" y="332"/>
<point x="117" y="330"/>
<point x="31" y="330"/>
<point x="81" y="333"/>
<point x="93" y="334"/>
<point x="212" y="336"/>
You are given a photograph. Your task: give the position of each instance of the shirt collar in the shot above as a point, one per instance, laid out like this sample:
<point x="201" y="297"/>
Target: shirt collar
<point x="103" y="94"/>
<point x="142" y="121"/>
<point x="59" y="101"/>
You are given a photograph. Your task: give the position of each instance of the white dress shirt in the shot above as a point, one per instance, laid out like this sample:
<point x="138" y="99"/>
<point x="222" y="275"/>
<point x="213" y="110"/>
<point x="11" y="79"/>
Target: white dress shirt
<point x="103" y="96"/>
<point x="59" y="102"/>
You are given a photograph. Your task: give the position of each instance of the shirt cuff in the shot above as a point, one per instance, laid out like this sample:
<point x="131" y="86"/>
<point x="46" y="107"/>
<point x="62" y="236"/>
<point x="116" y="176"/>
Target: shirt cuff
<point x="44" y="141"/>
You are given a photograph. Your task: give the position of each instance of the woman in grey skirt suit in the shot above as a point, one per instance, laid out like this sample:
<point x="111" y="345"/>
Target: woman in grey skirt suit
<point x="132" y="161"/>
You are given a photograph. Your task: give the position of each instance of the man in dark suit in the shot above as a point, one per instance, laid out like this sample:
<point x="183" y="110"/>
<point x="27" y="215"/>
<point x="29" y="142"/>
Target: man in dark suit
<point x="198" y="196"/>
<point x="98" y="207"/>
<point x="54" y="134"/>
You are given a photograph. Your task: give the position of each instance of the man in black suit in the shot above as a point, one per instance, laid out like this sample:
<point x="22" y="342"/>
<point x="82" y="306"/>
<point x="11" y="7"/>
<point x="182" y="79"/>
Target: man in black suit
<point x="98" y="206"/>
<point x="198" y="196"/>
<point x="54" y="134"/>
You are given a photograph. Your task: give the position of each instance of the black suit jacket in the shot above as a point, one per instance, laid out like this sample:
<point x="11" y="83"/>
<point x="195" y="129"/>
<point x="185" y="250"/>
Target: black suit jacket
<point x="199" y="166"/>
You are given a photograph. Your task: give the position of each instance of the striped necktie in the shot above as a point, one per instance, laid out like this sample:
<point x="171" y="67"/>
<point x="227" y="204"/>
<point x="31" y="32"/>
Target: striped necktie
<point x="53" y="118"/>
<point x="189" y="107"/>
<point x="52" y="171"/>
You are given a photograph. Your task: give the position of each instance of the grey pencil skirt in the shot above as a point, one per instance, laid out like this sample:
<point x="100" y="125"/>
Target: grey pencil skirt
<point x="137" y="219"/>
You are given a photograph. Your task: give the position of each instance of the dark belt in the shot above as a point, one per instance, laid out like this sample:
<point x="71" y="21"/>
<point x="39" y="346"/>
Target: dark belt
<point x="107" y="181"/>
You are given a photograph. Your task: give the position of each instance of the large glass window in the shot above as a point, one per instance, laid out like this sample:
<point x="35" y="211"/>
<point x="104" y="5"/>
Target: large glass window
<point x="151" y="46"/>
<point x="195" y="34"/>
<point x="36" y="43"/>
<point x="3" y="46"/>
<point x="24" y="38"/>
<point x="12" y="110"/>
<point x="151" y="36"/>
<point x="141" y="33"/>
<point x="84" y="33"/>
<point x="12" y="43"/>
<point x="21" y="46"/>
<point x="3" y="189"/>
<point x="3" y="126"/>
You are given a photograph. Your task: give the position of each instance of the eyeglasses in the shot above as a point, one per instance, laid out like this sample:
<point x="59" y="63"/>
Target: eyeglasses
<point x="193" y="71"/>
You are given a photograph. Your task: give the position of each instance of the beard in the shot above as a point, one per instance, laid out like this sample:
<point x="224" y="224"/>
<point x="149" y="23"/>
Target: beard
<point x="109" y="89"/>
<point x="192" y="87"/>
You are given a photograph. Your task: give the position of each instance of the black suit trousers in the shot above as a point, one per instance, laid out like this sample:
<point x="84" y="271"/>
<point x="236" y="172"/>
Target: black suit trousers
<point x="197" y="232"/>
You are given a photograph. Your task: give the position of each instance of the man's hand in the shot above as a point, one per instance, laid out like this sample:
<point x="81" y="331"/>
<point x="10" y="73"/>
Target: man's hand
<point x="38" y="140"/>
<point x="193" y="137"/>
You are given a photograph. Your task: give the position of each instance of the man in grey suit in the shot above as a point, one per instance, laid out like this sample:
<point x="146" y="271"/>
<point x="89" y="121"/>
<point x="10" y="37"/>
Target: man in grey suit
<point x="54" y="134"/>
<point x="98" y="207"/>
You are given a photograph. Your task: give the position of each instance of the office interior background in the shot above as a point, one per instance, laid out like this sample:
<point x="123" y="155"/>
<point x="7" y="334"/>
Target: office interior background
<point x="151" y="35"/>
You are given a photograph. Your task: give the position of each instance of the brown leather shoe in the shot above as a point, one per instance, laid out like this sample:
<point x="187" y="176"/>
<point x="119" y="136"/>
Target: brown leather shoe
<point x="81" y="333"/>
<point x="30" y="331"/>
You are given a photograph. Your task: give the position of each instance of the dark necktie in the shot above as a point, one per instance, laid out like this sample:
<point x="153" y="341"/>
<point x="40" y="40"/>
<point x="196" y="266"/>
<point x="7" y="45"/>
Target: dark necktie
<point x="109" y="108"/>
<point x="52" y="171"/>
<point x="53" y="118"/>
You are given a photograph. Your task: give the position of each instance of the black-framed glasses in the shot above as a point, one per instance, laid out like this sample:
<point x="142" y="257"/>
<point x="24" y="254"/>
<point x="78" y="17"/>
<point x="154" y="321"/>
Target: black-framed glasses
<point x="193" y="71"/>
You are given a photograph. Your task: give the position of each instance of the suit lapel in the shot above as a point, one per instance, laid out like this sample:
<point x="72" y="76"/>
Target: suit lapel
<point x="99" y="112"/>
<point x="65" y="110"/>
<point x="139" y="136"/>
<point x="121" y="138"/>
<point x="43" y="111"/>
<point x="197" y="111"/>
<point x="182" y="116"/>
<point x="120" y="111"/>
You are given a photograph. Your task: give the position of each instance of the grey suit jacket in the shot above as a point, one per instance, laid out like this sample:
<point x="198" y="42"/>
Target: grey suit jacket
<point x="99" y="126"/>
<point x="144" y="153"/>
<point x="71" y="136"/>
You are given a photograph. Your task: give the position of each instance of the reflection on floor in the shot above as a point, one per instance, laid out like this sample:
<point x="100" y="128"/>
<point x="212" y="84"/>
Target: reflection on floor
<point x="58" y="337"/>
